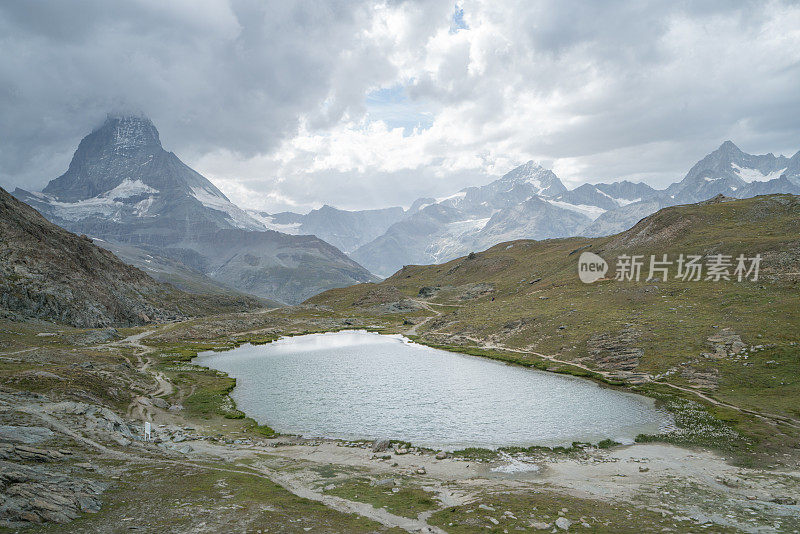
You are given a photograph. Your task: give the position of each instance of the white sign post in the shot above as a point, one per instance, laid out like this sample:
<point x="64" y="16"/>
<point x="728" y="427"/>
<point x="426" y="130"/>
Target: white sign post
<point x="147" y="436"/>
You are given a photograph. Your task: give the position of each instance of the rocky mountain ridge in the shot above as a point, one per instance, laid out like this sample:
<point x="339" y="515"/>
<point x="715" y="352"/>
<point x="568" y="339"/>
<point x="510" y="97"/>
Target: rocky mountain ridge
<point x="530" y="202"/>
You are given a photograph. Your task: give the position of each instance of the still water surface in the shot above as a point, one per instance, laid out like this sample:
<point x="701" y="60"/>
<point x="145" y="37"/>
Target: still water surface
<point x="360" y="385"/>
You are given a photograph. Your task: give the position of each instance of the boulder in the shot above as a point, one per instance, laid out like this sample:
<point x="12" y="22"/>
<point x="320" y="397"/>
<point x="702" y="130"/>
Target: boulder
<point x="563" y="523"/>
<point x="158" y="402"/>
<point x="380" y="445"/>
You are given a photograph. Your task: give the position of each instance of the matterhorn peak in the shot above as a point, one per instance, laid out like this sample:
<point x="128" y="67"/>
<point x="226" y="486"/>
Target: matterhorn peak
<point x="130" y="131"/>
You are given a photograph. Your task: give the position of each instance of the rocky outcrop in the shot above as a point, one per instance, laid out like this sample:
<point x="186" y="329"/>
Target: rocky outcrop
<point x="724" y="343"/>
<point x="618" y="352"/>
<point x="32" y="494"/>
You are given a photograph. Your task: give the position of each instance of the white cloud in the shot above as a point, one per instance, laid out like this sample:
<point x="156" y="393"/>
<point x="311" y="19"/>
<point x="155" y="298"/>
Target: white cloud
<point x="271" y="100"/>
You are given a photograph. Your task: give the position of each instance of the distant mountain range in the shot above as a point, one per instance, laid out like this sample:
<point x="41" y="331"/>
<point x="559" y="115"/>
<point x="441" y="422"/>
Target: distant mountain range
<point x="531" y="202"/>
<point x="135" y="198"/>
<point x="140" y="201"/>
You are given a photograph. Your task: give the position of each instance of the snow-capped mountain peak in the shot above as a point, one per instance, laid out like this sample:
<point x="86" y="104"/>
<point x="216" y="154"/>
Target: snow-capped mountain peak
<point x="544" y="181"/>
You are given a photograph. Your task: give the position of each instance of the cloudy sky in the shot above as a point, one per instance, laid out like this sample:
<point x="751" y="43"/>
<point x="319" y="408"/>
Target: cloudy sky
<point x="289" y="105"/>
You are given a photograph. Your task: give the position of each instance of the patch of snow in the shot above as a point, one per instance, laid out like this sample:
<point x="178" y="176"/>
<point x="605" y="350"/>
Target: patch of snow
<point x="141" y="208"/>
<point x="455" y="198"/>
<point x="605" y="194"/>
<point x="106" y="205"/>
<point x="423" y="206"/>
<point x="269" y="223"/>
<point x="754" y="175"/>
<point x="129" y="188"/>
<point x="593" y="212"/>
<point x="235" y="215"/>
<point x="626" y="201"/>
<point x="451" y="242"/>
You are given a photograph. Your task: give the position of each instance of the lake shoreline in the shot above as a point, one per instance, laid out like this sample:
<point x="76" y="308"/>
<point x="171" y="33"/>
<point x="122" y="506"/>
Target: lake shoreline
<point x="348" y="433"/>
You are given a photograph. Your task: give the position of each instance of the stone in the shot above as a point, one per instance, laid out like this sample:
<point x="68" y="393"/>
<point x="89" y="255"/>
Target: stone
<point x="383" y="483"/>
<point x="492" y="520"/>
<point x="421" y="471"/>
<point x="563" y="523"/>
<point x="380" y="445"/>
<point x="486" y="507"/>
<point x="401" y="450"/>
<point x="441" y="455"/>
<point x="158" y="402"/>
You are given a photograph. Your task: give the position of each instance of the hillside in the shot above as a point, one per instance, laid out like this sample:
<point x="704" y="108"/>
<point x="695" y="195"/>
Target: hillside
<point x="735" y="341"/>
<point x="50" y="273"/>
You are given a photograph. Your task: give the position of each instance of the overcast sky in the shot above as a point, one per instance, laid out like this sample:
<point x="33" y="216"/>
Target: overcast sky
<point x="290" y="105"/>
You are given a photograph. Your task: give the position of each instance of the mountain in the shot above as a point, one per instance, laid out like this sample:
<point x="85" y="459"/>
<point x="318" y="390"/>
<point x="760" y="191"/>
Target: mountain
<point x="726" y="171"/>
<point x="346" y="230"/>
<point x="607" y="196"/>
<point x="122" y="187"/>
<point x="530" y="202"/>
<point x="527" y="202"/>
<point x="49" y="273"/>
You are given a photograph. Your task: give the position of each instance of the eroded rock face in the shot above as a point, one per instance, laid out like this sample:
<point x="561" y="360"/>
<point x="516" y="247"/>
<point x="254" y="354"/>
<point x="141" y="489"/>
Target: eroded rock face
<point x="618" y="352"/>
<point x="36" y="494"/>
<point x="708" y="379"/>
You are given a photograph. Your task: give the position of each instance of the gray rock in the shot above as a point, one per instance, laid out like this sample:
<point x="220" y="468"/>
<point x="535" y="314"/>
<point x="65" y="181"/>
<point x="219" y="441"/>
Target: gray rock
<point x="158" y="402"/>
<point x="563" y="523"/>
<point x="441" y="455"/>
<point x="25" y="434"/>
<point x="380" y="445"/>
